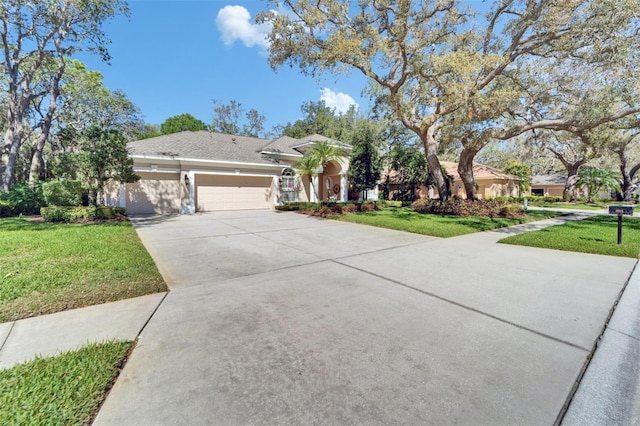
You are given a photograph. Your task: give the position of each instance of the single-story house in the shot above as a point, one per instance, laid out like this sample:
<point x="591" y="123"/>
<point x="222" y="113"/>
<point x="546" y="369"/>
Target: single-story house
<point x="190" y="172"/>
<point x="548" y="185"/>
<point x="490" y="182"/>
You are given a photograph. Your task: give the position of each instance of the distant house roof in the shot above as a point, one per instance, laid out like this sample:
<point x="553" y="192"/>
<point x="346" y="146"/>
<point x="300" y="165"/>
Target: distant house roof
<point x="548" y="180"/>
<point x="205" y="145"/>
<point x="480" y="171"/>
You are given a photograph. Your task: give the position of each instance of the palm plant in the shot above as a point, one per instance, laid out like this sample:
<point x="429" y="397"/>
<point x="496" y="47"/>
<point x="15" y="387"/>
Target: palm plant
<point x="315" y="160"/>
<point x="307" y="166"/>
<point x="596" y="179"/>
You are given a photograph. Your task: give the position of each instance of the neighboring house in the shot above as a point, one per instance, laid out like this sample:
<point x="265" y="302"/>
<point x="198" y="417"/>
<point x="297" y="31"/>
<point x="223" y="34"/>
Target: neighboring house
<point x="190" y="172"/>
<point x="548" y="185"/>
<point x="490" y="182"/>
<point x="553" y="186"/>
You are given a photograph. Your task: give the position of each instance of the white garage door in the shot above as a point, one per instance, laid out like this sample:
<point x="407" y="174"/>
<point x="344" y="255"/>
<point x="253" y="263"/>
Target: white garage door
<point x="232" y="192"/>
<point x="154" y="193"/>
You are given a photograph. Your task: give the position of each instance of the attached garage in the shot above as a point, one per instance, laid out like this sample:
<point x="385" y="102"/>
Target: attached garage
<point x="154" y="193"/>
<point x="228" y="192"/>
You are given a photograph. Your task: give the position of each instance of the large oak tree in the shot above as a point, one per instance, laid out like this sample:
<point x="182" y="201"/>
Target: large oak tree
<point x="436" y="66"/>
<point x="36" y="38"/>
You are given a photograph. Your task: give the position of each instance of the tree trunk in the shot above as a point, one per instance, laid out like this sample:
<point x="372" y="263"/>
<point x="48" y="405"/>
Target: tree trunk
<point x="430" y="142"/>
<point x="465" y="170"/>
<point x="47" y="121"/>
<point x="569" y="192"/>
<point x="11" y="154"/>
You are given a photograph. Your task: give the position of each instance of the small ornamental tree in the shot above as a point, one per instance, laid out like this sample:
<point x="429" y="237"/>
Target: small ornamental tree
<point x="364" y="165"/>
<point x="103" y="156"/>
<point x="514" y="167"/>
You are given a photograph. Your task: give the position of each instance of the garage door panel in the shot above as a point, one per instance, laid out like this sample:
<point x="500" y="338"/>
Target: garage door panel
<point x="232" y="192"/>
<point x="154" y="193"/>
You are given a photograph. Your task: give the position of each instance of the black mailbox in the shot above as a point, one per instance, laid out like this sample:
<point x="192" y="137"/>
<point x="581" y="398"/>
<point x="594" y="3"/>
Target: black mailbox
<point x="621" y="210"/>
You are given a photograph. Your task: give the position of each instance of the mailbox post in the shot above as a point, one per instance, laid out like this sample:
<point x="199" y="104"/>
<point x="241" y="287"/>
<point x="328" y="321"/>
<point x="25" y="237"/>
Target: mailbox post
<point x="620" y="211"/>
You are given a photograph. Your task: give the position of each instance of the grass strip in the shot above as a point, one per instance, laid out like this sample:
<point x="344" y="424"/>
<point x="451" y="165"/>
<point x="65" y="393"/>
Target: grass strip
<point x="49" y="267"/>
<point x="406" y="219"/>
<point x="575" y="206"/>
<point x="597" y="235"/>
<point x="62" y="390"/>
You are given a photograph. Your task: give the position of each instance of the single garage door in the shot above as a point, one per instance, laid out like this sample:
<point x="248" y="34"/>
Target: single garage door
<point x="154" y="193"/>
<point x="214" y="192"/>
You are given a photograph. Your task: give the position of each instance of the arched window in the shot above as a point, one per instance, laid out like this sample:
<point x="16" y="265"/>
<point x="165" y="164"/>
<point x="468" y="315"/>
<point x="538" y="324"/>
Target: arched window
<point x="288" y="186"/>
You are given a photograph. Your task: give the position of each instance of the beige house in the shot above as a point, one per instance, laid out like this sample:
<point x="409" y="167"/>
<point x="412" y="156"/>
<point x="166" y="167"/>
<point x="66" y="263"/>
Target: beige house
<point x="548" y="185"/>
<point x="490" y="182"/>
<point x="190" y="172"/>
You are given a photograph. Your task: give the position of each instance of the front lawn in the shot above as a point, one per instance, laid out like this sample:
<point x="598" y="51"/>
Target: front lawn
<point x="47" y="267"/>
<point x="575" y="206"/>
<point x="406" y="219"/>
<point x="63" y="390"/>
<point x="598" y="235"/>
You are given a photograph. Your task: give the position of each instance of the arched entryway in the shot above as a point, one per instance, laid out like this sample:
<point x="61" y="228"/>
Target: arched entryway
<point x="332" y="182"/>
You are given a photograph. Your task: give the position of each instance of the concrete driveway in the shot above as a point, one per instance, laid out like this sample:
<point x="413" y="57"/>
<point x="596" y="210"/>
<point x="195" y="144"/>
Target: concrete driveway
<point x="279" y="318"/>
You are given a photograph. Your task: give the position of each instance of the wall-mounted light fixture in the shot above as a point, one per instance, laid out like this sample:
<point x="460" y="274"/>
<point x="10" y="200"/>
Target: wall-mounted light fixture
<point x="186" y="180"/>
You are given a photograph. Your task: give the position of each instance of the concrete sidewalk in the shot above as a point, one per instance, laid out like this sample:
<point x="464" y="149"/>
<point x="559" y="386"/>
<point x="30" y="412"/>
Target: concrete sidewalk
<point x="49" y="335"/>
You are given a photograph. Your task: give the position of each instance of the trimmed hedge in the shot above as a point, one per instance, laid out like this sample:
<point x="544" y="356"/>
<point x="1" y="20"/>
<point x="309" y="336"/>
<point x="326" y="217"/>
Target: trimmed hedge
<point x="74" y="214"/>
<point x="476" y="208"/>
<point x="332" y="208"/>
<point x="530" y="198"/>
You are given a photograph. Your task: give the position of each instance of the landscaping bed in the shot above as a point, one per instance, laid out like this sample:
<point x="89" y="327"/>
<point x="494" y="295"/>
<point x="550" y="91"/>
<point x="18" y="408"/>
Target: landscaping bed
<point x="51" y="267"/>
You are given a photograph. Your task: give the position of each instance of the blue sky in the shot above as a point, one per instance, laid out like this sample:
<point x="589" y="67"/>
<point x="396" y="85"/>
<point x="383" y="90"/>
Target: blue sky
<point x="172" y="57"/>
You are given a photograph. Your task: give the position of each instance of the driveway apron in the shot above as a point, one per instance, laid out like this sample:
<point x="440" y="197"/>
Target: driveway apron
<point x="279" y="318"/>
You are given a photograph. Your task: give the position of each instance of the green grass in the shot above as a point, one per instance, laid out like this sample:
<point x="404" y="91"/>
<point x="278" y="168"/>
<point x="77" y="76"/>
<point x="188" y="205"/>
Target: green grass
<point x="598" y="235"/>
<point x="576" y="206"/>
<point x="63" y="390"/>
<point x="406" y="219"/>
<point x="46" y="267"/>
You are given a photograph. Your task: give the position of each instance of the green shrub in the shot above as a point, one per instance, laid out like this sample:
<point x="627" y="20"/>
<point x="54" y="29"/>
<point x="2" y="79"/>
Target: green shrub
<point x="475" y="208"/>
<point x="73" y="214"/>
<point x="21" y="199"/>
<point x="6" y="208"/>
<point x="67" y="213"/>
<point x="63" y="193"/>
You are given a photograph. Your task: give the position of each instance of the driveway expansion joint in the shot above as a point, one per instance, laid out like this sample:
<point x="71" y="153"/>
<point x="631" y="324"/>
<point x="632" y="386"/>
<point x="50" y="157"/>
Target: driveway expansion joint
<point x="13" y="323"/>
<point x="469" y="308"/>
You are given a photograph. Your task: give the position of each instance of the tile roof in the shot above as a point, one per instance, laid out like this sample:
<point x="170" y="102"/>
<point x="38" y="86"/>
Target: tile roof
<point x="480" y="171"/>
<point x="203" y="145"/>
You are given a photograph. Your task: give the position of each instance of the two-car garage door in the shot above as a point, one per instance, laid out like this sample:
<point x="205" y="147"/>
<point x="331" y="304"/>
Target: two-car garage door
<point x="217" y="192"/>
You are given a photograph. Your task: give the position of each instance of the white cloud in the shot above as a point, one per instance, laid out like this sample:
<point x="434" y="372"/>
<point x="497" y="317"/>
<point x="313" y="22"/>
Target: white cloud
<point x="234" y="23"/>
<point x="338" y="100"/>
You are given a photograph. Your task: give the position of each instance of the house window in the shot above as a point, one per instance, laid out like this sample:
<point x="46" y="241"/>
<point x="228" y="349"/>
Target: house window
<point x="288" y="186"/>
<point x="538" y="192"/>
